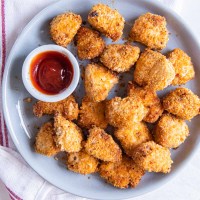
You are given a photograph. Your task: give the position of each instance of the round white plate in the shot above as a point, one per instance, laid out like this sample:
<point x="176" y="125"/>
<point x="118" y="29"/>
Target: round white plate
<point x="23" y="125"/>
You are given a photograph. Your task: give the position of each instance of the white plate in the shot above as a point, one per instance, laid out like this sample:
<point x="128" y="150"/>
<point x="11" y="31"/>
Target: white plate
<point x="22" y="124"/>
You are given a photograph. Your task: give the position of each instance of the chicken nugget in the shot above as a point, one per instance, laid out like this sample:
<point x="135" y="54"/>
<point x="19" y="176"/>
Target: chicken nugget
<point x="121" y="174"/>
<point x="120" y="57"/>
<point x="183" y="66"/>
<point x="98" y="82"/>
<point x="150" y="101"/>
<point x="82" y="163"/>
<point x="151" y="30"/>
<point x="153" y="69"/>
<point x="170" y="131"/>
<point x="131" y="136"/>
<point x="68" y="136"/>
<point x="67" y="107"/>
<point x="183" y="103"/>
<point x="44" y="142"/>
<point x="89" y="43"/>
<point x="152" y="157"/>
<point x="135" y="171"/>
<point x="125" y="112"/>
<point x="64" y="27"/>
<point x="92" y="113"/>
<point x="102" y="146"/>
<point x="107" y="21"/>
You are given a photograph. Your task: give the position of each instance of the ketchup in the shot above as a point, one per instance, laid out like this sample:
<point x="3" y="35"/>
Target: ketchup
<point x="51" y="72"/>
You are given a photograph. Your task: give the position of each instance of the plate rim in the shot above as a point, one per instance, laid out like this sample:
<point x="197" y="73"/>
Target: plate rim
<point x="185" y="162"/>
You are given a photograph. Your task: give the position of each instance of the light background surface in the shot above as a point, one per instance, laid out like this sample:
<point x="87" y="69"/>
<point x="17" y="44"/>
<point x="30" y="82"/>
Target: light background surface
<point x="187" y="184"/>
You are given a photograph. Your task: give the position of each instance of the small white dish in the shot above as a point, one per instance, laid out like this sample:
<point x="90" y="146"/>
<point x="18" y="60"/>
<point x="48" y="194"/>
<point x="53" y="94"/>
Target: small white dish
<point x="27" y="79"/>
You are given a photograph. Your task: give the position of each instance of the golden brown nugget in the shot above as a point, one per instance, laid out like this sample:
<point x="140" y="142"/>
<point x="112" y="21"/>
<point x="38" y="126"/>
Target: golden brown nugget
<point x="82" y="163"/>
<point x="153" y="157"/>
<point x="89" y="43"/>
<point x="125" y="112"/>
<point x="132" y="136"/>
<point x="170" y="131"/>
<point x="64" y="27"/>
<point x="151" y="30"/>
<point x="107" y="21"/>
<point x="44" y="142"/>
<point x="67" y="107"/>
<point x="120" y="57"/>
<point x="92" y="114"/>
<point x="102" y="146"/>
<point x="121" y="174"/>
<point x="153" y="69"/>
<point x="150" y="101"/>
<point x="68" y="136"/>
<point x="183" y="66"/>
<point x="98" y="82"/>
<point x="183" y="103"/>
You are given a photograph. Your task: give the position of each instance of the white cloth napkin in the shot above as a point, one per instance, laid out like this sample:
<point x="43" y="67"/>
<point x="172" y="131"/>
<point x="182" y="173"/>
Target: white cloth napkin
<point x="21" y="181"/>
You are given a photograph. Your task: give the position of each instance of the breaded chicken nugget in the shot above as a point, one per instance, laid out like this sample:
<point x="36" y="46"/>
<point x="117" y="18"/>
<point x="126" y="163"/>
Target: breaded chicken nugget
<point x="131" y="136"/>
<point x="121" y="174"/>
<point x="89" y="43"/>
<point x="152" y="157"/>
<point x="170" y="131"/>
<point x="64" y="27"/>
<point x="107" y="21"/>
<point x="67" y="107"/>
<point x="151" y="30"/>
<point x="102" y="146"/>
<point x="68" y="135"/>
<point x="183" y="103"/>
<point x="98" y="82"/>
<point x="125" y="112"/>
<point x="81" y="162"/>
<point x="183" y="66"/>
<point x="154" y="70"/>
<point x="92" y="113"/>
<point x="120" y="57"/>
<point x="150" y="101"/>
<point x="44" y="143"/>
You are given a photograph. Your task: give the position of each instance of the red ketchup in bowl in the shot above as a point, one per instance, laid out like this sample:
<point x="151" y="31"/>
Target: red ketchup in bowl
<point x="51" y="72"/>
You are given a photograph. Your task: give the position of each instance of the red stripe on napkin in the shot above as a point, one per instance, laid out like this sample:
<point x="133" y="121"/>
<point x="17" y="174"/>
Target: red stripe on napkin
<point x="3" y="37"/>
<point x="13" y="194"/>
<point x="12" y="198"/>
<point x="5" y="132"/>
<point x="1" y="134"/>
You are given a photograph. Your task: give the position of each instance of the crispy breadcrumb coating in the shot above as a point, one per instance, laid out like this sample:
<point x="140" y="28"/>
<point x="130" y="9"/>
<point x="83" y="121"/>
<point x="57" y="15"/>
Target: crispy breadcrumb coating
<point x="153" y="157"/>
<point x="92" y="114"/>
<point x="64" y="27"/>
<point x="107" y="21"/>
<point x="183" y="103"/>
<point x="154" y="70"/>
<point x="151" y="30"/>
<point x="67" y="107"/>
<point x="125" y="112"/>
<point x="183" y="66"/>
<point x="132" y="136"/>
<point x="89" y="43"/>
<point x="170" y="131"/>
<point x="98" y="82"/>
<point x="150" y="101"/>
<point x="120" y="57"/>
<point x="68" y="135"/>
<point x="82" y="163"/>
<point x="44" y="142"/>
<point x="121" y="174"/>
<point x="102" y="146"/>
